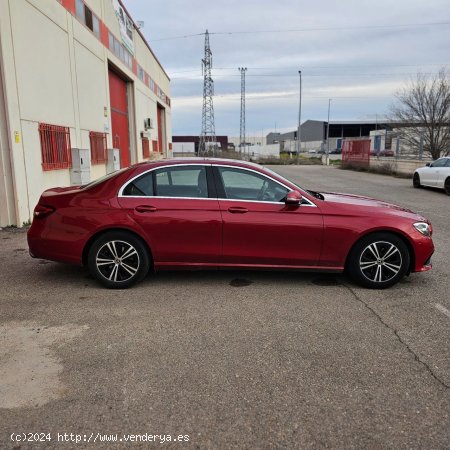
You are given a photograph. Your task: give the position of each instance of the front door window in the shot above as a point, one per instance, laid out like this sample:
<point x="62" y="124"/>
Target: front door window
<point x="245" y="185"/>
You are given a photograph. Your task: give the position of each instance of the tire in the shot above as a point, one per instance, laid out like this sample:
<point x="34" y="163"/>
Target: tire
<point x="447" y="186"/>
<point x="107" y="264"/>
<point x="367" y="263"/>
<point x="416" y="181"/>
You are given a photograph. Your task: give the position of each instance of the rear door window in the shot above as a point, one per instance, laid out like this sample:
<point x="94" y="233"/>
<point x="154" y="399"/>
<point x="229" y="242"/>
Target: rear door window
<point x="140" y="187"/>
<point x="187" y="181"/>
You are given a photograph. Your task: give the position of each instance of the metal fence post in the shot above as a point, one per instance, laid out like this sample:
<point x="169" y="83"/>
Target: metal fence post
<point x="421" y="147"/>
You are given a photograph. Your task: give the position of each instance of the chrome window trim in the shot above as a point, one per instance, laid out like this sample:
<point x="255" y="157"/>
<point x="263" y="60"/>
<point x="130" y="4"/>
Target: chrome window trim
<point x="121" y="195"/>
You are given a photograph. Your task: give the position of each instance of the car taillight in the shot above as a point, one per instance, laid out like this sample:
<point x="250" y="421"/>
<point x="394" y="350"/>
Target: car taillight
<point x="43" y="211"/>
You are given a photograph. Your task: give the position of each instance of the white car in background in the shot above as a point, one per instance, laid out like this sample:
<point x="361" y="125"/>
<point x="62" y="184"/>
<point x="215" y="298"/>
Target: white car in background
<point x="435" y="174"/>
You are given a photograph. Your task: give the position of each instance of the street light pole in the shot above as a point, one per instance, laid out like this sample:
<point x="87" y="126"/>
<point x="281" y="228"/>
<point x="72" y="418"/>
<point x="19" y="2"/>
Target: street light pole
<point x="328" y="133"/>
<point x="299" y="131"/>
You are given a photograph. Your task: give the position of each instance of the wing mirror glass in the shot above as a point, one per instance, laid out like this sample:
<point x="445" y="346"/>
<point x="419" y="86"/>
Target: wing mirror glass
<point x="428" y="165"/>
<point x="293" y="198"/>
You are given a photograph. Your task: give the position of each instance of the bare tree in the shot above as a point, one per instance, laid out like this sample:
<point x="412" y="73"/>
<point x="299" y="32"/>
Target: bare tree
<point x="422" y="113"/>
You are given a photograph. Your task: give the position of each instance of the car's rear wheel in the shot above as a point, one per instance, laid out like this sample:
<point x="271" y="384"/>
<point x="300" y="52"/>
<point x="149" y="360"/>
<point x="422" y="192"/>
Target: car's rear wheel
<point x="416" y="181"/>
<point x="379" y="260"/>
<point x="447" y="186"/>
<point x="118" y="259"/>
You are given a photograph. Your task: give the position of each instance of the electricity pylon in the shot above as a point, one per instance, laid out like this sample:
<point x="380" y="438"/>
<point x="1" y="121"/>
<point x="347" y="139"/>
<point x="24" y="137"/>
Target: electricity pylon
<point x="208" y="141"/>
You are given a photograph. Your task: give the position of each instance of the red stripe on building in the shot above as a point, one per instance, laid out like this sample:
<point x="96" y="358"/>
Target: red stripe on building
<point x="104" y="37"/>
<point x="70" y="6"/>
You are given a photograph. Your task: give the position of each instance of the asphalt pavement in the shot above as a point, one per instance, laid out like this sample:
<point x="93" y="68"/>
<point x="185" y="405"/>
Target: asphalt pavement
<point x="229" y="359"/>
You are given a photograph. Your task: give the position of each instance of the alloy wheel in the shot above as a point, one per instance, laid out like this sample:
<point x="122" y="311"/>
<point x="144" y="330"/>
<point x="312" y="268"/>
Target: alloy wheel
<point x="117" y="261"/>
<point x="380" y="261"/>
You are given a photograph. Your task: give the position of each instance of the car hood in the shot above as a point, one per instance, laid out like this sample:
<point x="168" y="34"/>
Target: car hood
<point x="360" y="202"/>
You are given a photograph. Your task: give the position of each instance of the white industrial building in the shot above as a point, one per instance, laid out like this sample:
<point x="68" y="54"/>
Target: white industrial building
<point x="81" y="94"/>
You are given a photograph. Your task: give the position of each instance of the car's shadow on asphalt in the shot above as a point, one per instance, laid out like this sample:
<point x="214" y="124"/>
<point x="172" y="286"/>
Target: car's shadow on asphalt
<point x="56" y="274"/>
<point x="63" y="275"/>
<point x="433" y="189"/>
<point x="243" y="278"/>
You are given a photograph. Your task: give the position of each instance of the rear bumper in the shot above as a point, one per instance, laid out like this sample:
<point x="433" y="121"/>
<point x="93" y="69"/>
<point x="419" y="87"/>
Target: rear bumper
<point x="47" y="242"/>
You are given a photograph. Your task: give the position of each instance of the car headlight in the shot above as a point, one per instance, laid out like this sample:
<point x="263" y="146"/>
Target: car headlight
<point x="423" y="228"/>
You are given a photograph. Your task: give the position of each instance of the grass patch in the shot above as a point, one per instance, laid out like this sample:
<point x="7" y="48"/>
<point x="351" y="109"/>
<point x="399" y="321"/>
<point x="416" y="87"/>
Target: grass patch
<point x="384" y="169"/>
<point x="286" y="161"/>
<point x="335" y="162"/>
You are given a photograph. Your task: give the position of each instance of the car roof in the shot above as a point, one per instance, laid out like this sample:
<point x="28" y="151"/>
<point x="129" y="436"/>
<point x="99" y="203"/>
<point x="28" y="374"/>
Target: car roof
<point x="194" y="160"/>
<point x="212" y="160"/>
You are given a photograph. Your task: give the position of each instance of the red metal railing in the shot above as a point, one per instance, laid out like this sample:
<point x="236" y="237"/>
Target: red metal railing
<point x="98" y="147"/>
<point x="55" y="147"/>
<point x="356" y="152"/>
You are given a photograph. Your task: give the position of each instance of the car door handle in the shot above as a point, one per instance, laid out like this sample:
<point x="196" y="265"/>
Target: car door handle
<point x="237" y="210"/>
<point x="145" y="209"/>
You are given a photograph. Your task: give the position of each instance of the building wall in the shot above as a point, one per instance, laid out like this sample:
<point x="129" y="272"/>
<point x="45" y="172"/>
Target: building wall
<point x="184" y="148"/>
<point x="55" y="70"/>
<point x="257" y="152"/>
<point x="251" y="140"/>
<point x="7" y="205"/>
<point x="222" y="141"/>
<point x="313" y="130"/>
<point x="272" y="138"/>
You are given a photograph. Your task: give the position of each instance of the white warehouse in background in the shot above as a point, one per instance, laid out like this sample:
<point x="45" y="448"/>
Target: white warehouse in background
<point x="81" y="94"/>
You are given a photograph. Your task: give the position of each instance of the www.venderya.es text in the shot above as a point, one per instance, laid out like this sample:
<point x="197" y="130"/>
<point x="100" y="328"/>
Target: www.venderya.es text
<point x="99" y="437"/>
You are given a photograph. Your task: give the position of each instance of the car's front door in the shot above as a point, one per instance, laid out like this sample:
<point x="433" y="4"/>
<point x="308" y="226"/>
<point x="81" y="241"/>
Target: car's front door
<point x="178" y="212"/>
<point x="431" y="176"/>
<point x="259" y="228"/>
<point x="443" y="173"/>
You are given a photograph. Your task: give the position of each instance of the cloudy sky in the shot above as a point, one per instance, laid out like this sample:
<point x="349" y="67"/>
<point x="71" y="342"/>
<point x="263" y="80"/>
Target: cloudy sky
<point x="356" y="52"/>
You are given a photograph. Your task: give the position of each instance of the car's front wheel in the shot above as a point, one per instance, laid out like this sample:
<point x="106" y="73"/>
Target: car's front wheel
<point x="416" y="181"/>
<point x="447" y="186"/>
<point x="378" y="261"/>
<point x="118" y="259"/>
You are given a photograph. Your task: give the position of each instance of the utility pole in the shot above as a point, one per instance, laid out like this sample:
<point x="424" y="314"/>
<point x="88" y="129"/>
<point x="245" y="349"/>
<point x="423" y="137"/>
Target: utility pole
<point x="328" y="133"/>
<point x="208" y="138"/>
<point x="421" y="146"/>
<point x="242" y="143"/>
<point x="299" y="131"/>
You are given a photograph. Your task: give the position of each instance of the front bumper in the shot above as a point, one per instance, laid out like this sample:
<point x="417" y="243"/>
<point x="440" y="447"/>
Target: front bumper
<point x="423" y="251"/>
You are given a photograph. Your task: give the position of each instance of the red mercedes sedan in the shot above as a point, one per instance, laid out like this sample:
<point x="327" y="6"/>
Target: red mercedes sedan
<point x="214" y="213"/>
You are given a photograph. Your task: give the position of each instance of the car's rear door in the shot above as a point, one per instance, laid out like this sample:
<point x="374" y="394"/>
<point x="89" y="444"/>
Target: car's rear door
<point x="178" y="210"/>
<point x="259" y="228"/>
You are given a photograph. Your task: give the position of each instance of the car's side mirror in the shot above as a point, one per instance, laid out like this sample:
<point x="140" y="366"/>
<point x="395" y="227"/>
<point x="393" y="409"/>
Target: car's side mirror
<point x="428" y="165"/>
<point x="293" y="198"/>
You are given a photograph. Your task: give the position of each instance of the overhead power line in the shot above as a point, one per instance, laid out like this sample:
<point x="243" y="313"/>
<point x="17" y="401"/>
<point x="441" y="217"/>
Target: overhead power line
<point x="304" y="30"/>
<point x="334" y="75"/>
<point x="346" y="67"/>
